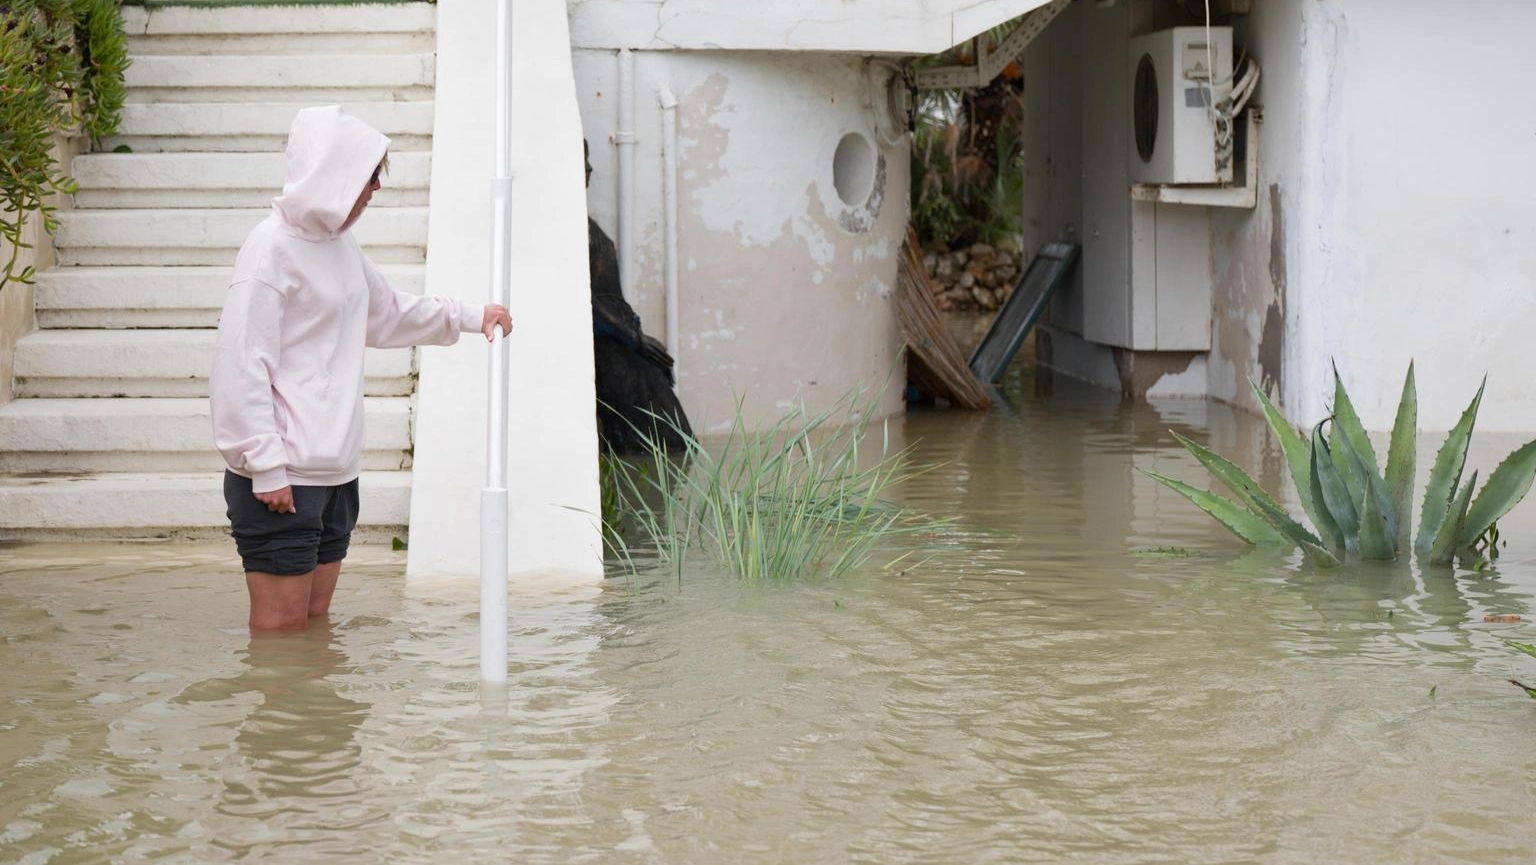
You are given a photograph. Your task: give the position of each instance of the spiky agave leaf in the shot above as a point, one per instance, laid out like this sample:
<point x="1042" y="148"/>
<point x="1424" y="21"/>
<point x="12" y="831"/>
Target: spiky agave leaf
<point x="1443" y="549"/>
<point x="1298" y="454"/>
<point x="1445" y="475"/>
<point x="1401" y="461"/>
<point x="1355" y="458"/>
<point x="1346" y="422"/>
<point x="1505" y="488"/>
<point x="1333" y="536"/>
<point x="1314" y="551"/>
<point x="1256" y="499"/>
<point x="1376" y="531"/>
<point x="1333" y="489"/>
<point x="1242" y="522"/>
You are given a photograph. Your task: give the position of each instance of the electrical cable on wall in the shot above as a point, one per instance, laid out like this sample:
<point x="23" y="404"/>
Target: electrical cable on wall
<point x="1225" y="112"/>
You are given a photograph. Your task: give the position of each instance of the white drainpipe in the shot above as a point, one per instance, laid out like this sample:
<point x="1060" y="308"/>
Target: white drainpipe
<point x="624" y="137"/>
<point x="669" y="213"/>
<point x="493" y="496"/>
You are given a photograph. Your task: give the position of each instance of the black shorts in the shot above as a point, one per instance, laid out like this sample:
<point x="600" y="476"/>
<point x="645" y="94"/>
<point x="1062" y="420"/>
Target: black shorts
<point x="291" y="545"/>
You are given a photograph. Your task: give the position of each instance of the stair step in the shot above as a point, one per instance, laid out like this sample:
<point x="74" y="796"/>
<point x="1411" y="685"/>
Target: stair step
<point x="213" y="236"/>
<point x="254" y="126"/>
<point x="153" y="297"/>
<point x="395" y="28"/>
<point x="218" y="180"/>
<point x="306" y="78"/>
<point x="137" y="505"/>
<point x="154" y="363"/>
<point x="157" y="435"/>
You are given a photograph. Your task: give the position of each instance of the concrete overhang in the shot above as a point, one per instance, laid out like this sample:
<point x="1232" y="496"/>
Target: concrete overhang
<point x="848" y="26"/>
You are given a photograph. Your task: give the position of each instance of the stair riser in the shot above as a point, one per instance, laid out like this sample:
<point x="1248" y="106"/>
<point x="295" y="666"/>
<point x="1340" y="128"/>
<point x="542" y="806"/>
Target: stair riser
<point x="283" y="44"/>
<point x="256" y="128"/>
<point x="200" y="173"/>
<point x="174" y="437"/>
<point x="113" y="319"/>
<point x="140" y="257"/>
<point x="77" y="462"/>
<point x="130" y="427"/>
<point x="217" y="229"/>
<point x="212" y="237"/>
<point x="364" y="24"/>
<point x="299" y="95"/>
<point x="147" y="505"/>
<point x="100" y="388"/>
<point x="191" y="530"/>
<point x="231" y="199"/>
<point x="240" y="144"/>
<point x="120" y="298"/>
<point x="383" y="72"/>
<point x="147" y="355"/>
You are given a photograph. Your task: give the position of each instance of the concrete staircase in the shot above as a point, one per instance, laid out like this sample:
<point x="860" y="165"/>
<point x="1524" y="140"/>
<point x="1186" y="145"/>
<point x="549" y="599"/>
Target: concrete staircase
<point x="109" y="435"/>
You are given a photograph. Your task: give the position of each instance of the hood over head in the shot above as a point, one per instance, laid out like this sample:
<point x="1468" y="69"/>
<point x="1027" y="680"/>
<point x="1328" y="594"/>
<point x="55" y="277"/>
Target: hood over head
<point x="331" y="156"/>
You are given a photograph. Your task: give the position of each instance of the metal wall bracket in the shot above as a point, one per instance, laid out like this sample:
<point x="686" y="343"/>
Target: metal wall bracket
<point x="1245" y="196"/>
<point x="989" y="64"/>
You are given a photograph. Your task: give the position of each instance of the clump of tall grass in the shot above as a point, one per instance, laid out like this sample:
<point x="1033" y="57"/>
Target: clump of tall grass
<point x="802" y="496"/>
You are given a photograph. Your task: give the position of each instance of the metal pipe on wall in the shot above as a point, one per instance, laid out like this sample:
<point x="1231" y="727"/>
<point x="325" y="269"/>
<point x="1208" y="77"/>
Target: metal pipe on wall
<point x="624" y="138"/>
<point x="669" y="213"/>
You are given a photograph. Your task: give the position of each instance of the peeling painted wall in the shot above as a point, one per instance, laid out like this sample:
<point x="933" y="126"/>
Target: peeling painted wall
<point x="1252" y="250"/>
<point x="1396" y="218"/>
<point x="865" y="26"/>
<point x="785" y="289"/>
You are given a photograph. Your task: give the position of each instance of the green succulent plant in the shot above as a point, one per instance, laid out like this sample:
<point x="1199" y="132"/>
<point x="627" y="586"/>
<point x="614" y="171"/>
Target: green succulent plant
<point x="1354" y="508"/>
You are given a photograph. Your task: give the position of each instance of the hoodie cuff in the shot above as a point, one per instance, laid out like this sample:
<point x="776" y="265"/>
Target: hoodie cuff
<point x="471" y="316"/>
<point x="269" y="481"/>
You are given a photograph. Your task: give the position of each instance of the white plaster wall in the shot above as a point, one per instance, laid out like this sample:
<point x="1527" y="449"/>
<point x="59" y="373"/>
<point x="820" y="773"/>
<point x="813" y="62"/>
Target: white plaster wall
<point x="1252" y="251"/>
<point x="1428" y="181"/>
<point x="1398" y="137"/>
<point x="867" y="26"/>
<point x="785" y="291"/>
<point x="553" y="456"/>
<point x="17" y="317"/>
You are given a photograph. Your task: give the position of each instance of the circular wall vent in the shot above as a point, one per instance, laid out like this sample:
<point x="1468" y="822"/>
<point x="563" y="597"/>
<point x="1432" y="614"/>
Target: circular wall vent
<point x="853" y="169"/>
<point x="1144" y="108"/>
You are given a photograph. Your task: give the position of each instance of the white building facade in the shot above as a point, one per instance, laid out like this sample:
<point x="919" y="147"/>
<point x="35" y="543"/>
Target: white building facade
<point x="1391" y="222"/>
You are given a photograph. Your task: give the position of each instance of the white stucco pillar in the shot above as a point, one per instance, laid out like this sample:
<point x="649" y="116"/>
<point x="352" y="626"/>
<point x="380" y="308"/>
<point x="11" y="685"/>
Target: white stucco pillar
<point x="554" y="530"/>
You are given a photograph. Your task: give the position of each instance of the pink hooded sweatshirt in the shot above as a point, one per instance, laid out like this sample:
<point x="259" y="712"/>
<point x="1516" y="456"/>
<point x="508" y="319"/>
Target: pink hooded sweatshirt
<point x="287" y="383"/>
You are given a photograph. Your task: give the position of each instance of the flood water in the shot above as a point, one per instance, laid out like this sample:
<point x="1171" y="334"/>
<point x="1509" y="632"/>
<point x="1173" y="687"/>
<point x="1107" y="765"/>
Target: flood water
<point x="1082" y="668"/>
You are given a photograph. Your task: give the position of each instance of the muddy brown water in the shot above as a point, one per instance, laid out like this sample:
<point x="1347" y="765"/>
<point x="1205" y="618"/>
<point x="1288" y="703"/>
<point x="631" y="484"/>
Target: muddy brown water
<point x="1083" y="668"/>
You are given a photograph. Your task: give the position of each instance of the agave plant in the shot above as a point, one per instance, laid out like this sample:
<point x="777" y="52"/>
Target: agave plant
<point x="1354" y="508"/>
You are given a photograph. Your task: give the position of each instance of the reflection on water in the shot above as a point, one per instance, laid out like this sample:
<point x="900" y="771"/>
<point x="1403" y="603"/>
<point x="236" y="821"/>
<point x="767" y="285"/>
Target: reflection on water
<point x="296" y="755"/>
<point x="1083" y="668"/>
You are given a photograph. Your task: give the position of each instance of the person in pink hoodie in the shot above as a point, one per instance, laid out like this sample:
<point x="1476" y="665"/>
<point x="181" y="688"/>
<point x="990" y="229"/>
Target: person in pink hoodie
<point x="287" y="384"/>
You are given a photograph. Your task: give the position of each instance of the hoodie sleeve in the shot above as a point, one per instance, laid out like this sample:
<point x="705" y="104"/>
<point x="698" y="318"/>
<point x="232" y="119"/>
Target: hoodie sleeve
<point x="240" y="387"/>
<point x="397" y="319"/>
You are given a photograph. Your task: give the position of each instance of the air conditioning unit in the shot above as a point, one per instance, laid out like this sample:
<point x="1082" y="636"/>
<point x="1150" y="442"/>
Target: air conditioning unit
<point x="1173" y="131"/>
